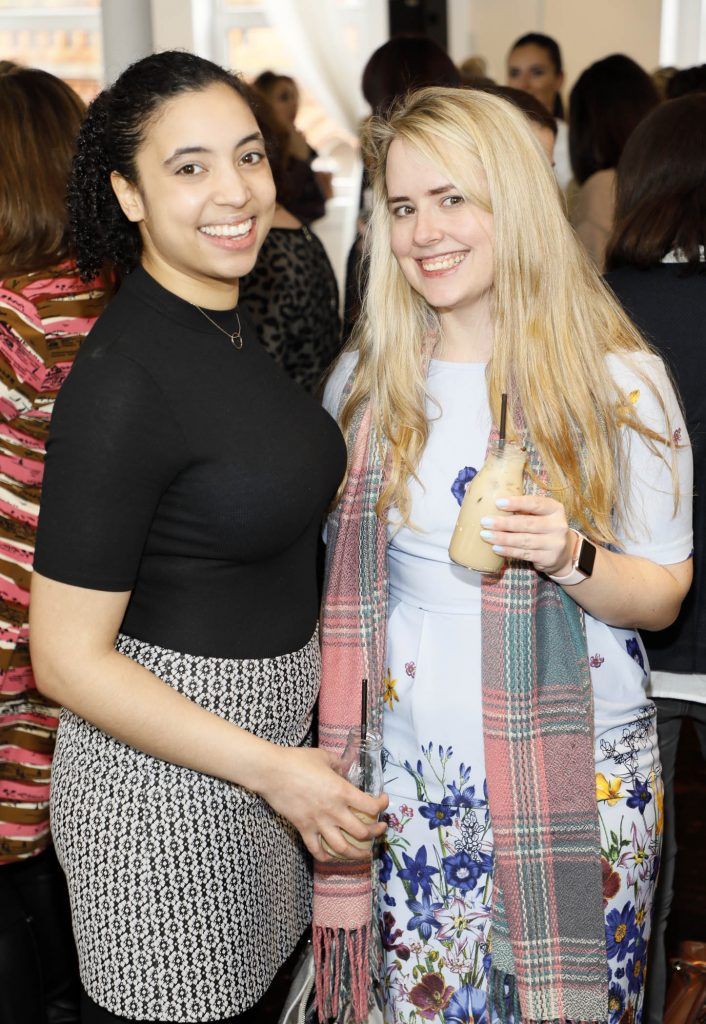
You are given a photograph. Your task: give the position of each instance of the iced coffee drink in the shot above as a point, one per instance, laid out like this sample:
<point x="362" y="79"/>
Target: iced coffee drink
<point x="500" y="477"/>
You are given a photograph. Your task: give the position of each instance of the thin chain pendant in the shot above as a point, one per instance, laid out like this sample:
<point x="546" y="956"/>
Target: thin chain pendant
<point x="236" y="338"/>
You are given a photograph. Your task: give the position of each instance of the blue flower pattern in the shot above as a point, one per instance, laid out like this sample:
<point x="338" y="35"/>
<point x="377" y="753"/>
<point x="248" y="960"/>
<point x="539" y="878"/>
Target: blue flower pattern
<point x="463" y="479"/>
<point x="442" y="922"/>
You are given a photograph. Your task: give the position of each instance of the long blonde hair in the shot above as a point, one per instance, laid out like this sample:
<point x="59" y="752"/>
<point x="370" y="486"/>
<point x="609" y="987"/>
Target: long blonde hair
<point x="554" y="319"/>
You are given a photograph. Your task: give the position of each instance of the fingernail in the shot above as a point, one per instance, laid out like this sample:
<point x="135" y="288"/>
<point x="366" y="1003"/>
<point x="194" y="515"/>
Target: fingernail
<point x="502" y="502"/>
<point x="486" y="534"/>
<point x="486" y="521"/>
<point x="497" y="549"/>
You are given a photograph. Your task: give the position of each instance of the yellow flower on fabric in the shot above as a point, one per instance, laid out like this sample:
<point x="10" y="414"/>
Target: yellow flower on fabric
<point x="658" y="790"/>
<point x="632" y="399"/>
<point x="389" y="694"/>
<point x="608" y="791"/>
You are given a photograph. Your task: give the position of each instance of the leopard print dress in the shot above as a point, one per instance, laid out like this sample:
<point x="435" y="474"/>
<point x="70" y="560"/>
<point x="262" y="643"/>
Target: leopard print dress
<point x="292" y="296"/>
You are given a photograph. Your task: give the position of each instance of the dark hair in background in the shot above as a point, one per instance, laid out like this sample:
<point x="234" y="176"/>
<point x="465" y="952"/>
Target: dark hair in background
<point x="554" y="53"/>
<point x="115" y="127"/>
<point x="403" y="64"/>
<point x="269" y="80"/>
<point x="40" y="117"/>
<point x="687" y="81"/>
<point x="276" y="137"/>
<point x="608" y="101"/>
<point x="528" y="104"/>
<point x="661" y="196"/>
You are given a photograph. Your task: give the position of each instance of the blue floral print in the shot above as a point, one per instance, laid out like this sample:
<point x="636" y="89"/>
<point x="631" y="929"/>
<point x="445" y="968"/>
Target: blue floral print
<point x="423" y="916"/>
<point x="467" y="1007"/>
<point x="438" y="814"/>
<point x="616" y="1003"/>
<point x="417" y="872"/>
<point x="635" y="970"/>
<point x="620" y="932"/>
<point x="463" y="479"/>
<point x="462" y="871"/>
<point x="640" y="795"/>
<point x="436" y="865"/>
<point x="633" y="649"/>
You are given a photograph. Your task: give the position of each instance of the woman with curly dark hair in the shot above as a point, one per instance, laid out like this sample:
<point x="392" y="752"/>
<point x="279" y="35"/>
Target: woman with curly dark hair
<point x="174" y="601"/>
<point x="46" y="311"/>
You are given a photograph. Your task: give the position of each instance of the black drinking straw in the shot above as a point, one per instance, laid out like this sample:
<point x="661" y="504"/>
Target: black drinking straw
<point x="363" y="732"/>
<point x="364" y="712"/>
<point x="503" y="419"/>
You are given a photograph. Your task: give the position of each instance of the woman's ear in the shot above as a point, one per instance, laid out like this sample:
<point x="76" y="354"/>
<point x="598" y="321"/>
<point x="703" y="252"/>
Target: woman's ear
<point x="128" y="195"/>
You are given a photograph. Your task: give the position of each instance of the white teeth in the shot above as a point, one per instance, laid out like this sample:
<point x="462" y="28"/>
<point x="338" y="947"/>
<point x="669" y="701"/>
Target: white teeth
<point x="227" y="230"/>
<point x="444" y="264"/>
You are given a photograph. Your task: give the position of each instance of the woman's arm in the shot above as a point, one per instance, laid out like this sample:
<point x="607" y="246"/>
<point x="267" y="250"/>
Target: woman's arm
<point x="624" y="590"/>
<point x="73" y="630"/>
<point x="644" y="587"/>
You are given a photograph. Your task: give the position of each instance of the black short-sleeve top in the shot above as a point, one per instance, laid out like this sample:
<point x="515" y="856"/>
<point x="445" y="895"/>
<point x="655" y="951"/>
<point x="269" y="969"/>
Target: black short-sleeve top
<point x="192" y="474"/>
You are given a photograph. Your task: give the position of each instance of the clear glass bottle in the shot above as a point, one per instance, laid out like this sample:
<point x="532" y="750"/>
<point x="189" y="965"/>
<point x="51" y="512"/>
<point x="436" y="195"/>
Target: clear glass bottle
<point x="500" y="477"/>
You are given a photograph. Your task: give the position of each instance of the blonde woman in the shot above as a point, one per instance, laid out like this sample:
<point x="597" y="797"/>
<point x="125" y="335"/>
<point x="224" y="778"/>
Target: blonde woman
<point x="521" y="764"/>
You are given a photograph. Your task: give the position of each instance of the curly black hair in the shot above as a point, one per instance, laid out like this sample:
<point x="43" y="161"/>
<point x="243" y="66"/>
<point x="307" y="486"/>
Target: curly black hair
<point x="114" y="128"/>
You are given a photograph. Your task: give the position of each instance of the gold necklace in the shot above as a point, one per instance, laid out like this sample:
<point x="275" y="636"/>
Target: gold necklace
<point x="236" y="338"/>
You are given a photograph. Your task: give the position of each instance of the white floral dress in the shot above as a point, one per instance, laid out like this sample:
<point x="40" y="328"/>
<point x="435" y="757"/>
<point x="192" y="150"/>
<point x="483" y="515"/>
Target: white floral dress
<point x="437" y="861"/>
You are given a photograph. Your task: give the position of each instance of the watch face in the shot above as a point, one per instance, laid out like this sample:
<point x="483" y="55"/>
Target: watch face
<point x="586" y="558"/>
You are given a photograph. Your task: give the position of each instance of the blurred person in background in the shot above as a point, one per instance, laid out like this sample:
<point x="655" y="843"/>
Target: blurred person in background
<point x="608" y="101"/>
<point x="304" y="189"/>
<point x="657" y="268"/>
<point x="291" y="292"/>
<point x="662" y="77"/>
<point x="686" y="81"/>
<point x="474" y="72"/>
<point x="534" y="64"/>
<point x="542" y="123"/>
<point x="45" y="312"/>
<point x="401" y="65"/>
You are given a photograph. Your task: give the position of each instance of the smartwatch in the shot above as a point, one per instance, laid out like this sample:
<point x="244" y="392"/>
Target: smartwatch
<point x="582" y="564"/>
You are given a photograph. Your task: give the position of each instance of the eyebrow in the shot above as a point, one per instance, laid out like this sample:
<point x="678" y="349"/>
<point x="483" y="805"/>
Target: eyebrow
<point x="432" y="192"/>
<point x="189" y="150"/>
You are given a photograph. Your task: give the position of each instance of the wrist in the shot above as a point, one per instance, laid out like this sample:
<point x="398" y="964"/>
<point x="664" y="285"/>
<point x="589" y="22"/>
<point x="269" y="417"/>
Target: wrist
<point x="567" y="566"/>
<point x="259" y="766"/>
<point x="582" y="562"/>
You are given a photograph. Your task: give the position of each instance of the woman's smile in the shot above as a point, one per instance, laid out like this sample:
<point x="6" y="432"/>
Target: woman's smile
<point x="231" y="236"/>
<point x="441" y="265"/>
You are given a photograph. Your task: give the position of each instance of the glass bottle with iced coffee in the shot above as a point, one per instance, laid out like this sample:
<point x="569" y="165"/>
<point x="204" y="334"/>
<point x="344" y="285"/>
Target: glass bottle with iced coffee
<point x="501" y="477"/>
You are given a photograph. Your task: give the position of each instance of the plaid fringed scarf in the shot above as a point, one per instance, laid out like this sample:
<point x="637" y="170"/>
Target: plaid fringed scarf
<point x="548" y="956"/>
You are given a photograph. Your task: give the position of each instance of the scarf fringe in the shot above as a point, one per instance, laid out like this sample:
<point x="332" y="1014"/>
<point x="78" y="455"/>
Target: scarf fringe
<point x="342" y="968"/>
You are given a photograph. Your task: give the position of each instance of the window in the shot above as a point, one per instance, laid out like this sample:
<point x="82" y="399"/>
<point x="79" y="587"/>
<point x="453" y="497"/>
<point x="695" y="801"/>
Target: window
<point x="59" y="36"/>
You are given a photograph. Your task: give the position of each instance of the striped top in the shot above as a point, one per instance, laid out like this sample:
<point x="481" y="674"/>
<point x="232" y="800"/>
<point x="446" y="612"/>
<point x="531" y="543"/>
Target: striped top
<point x="44" y="318"/>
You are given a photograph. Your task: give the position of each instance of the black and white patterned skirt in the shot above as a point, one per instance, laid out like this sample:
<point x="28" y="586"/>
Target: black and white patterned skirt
<point x="187" y="892"/>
